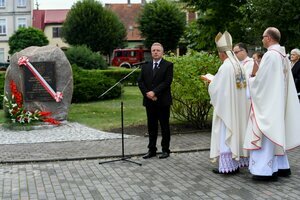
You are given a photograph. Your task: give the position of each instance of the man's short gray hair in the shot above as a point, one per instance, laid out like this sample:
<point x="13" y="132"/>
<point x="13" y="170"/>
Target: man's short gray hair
<point x="158" y="44"/>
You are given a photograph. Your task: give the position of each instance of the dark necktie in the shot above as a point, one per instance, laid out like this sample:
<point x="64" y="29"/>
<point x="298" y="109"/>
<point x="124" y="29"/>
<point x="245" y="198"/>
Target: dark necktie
<point x="155" y="68"/>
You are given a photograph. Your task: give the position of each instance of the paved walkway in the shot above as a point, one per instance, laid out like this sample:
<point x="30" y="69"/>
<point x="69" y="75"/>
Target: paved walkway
<point x="74" y="142"/>
<point x="186" y="174"/>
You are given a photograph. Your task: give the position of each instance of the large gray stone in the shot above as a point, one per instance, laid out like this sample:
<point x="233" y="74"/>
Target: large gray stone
<point x="63" y="75"/>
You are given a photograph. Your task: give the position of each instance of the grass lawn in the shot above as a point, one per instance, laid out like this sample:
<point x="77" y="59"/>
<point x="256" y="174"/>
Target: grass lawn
<point x="105" y="115"/>
<point x="2" y="120"/>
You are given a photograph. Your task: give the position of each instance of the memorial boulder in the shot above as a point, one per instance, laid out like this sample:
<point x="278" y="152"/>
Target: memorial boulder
<point x="43" y="76"/>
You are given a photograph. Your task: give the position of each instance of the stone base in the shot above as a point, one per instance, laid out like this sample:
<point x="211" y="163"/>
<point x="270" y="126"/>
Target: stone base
<point x="33" y="126"/>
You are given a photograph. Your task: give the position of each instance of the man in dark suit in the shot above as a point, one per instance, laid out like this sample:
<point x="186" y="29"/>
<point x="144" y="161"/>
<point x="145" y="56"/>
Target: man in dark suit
<point x="155" y="85"/>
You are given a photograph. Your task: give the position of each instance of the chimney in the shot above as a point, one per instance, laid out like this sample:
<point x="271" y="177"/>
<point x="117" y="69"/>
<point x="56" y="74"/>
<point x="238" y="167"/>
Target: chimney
<point x="143" y="2"/>
<point x="128" y="2"/>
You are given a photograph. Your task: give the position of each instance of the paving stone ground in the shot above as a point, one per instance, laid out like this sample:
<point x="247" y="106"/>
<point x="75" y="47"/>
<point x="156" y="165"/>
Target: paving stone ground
<point x="64" y="173"/>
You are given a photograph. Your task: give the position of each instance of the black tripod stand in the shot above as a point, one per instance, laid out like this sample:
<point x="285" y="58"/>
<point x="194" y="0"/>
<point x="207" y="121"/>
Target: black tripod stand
<point x="123" y="157"/>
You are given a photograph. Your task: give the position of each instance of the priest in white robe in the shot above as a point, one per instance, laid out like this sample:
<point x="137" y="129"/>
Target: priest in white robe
<point x="241" y="51"/>
<point x="227" y="91"/>
<point x="273" y="127"/>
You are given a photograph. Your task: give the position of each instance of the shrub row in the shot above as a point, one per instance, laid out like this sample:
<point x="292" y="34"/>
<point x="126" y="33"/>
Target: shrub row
<point x="117" y="73"/>
<point x="2" y="81"/>
<point x="90" y="84"/>
<point x="191" y="102"/>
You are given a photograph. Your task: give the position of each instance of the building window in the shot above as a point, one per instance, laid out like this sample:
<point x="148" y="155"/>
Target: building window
<point x="56" y="32"/>
<point x="2" y="26"/>
<point x="22" y="23"/>
<point x="1" y="55"/>
<point x="21" y="3"/>
<point x="2" y="3"/>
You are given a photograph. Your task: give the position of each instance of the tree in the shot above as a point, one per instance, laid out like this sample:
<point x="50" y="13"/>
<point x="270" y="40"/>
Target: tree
<point x="282" y="14"/>
<point x="191" y="37"/>
<point x="26" y="37"/>
<point x="161" y="21"/>
<point x="245" y="20"/>
<point x="215" y="16"/>
<point x="88" y="23"/>
<point x="83" y="57"/>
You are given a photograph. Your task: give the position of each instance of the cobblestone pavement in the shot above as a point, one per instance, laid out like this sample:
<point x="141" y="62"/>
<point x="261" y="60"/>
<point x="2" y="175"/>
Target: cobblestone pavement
<point x="67" y="131"/>
<point x="186" y="174"/>
<point x="181" y="176"/>
<point x="82" y="143"/>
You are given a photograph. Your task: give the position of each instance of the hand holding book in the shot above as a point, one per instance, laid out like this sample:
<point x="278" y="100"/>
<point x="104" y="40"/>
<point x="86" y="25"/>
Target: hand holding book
<point x="207" y="77"/>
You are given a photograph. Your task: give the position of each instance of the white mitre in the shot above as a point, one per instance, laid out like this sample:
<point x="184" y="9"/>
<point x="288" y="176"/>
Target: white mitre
<point x="224" y="44"/>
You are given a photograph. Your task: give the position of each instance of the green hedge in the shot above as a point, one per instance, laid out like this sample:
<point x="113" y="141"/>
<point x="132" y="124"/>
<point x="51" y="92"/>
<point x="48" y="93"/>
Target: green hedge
<point x="2" y="82"/>
<point x="90" y="84"/>
<point x="191" y="101"/>
<point x="117" y="73"/>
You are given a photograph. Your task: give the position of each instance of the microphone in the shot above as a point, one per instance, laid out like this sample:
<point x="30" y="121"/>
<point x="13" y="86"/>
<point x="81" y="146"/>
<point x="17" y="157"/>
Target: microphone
<point x="139" y="63"/>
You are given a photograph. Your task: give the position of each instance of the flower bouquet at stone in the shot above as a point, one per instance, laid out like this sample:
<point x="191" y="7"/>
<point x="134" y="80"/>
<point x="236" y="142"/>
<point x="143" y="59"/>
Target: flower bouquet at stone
<point x="17" y="112"/>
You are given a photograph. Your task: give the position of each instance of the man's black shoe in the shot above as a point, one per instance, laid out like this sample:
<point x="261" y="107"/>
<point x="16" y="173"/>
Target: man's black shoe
<point x="274" y="177"/>
<point x="216" y="171"/>
<point x="284" y="172"/>
<point x="163" y="155"/>
<point x="149" y="155"/>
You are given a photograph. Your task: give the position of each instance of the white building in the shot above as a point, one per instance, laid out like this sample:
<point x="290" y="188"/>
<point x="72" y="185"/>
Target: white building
<point x="13" y="14"/>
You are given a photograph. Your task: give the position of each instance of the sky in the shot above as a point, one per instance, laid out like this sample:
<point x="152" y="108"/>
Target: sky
<point x="66" y="4"/>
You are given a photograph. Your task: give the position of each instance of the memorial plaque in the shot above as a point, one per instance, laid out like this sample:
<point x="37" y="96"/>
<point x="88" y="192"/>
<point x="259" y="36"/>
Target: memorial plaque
<point x="34" y="91"/>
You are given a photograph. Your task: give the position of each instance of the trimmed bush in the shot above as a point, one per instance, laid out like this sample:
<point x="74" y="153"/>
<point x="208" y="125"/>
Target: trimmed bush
<point x="82" y="56"/>
<point x="2" y="82"/>
<point x="191" y="101"/>
<point x="90" y="84"/>
<point x="117" y="73"/>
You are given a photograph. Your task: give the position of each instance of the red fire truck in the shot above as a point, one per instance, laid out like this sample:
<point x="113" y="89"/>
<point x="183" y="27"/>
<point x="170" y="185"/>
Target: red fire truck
<point x="127" y="57"/>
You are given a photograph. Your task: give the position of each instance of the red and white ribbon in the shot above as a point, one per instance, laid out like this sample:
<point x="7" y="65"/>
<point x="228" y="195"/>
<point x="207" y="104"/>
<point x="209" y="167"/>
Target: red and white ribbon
<point x="58" y="96"/>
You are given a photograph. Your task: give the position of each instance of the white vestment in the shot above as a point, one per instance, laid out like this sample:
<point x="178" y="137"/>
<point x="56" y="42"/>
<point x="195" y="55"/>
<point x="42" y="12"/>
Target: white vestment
<point x="275" y="112"/>
<point x="247" y="63"/>
<point x="230" y="114"/>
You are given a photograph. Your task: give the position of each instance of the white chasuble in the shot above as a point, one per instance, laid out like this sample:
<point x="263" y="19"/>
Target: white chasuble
<point x="275" y="109"/>
<point x="247" y="63"/>
<point x="230" y="108"/>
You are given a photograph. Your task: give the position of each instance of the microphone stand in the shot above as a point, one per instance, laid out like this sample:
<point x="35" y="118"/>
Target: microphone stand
<point x="123" y="157"/>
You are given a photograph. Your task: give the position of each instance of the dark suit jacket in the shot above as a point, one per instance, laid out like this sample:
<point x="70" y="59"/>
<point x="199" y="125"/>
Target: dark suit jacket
<point x="296" y="75"/>
<point x="160" y="84"/>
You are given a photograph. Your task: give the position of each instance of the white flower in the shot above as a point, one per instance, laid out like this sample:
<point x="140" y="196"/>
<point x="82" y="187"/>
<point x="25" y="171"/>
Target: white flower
<point x="28" y="113"/>
<point x="22" y="119"/>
